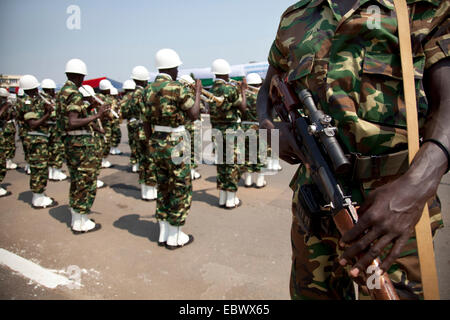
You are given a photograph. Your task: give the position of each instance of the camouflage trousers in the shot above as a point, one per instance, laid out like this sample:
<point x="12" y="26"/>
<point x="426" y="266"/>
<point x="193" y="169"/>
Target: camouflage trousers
<point x="147" y="165"/>
<point x="194" y="133"/>
<point x="317" y="275"/>
<point x="22" y="136"/>
<point x="132" y="134"/>
<point x="228" y="175"/>
<point x="10" y="137"/>
<point x="108" y="135"/>
<point x="56" y="150"/>
<point x="253" y="138"/>
<point x="99" y="142"/>
<point x="2" y="156"/>
<point x="38" y="154"/>
<point x="174" y="180"/>
<point x="116" y="134"/>
<point x="82" y="161"/>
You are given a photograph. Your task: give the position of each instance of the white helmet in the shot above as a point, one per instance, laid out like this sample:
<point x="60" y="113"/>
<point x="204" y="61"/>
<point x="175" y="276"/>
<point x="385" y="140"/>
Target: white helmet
<point x="129" y="85"/>
<point x="140" y="73"/>
<point x="4" y="93"/>
<point x="187" y="78"/>
<point x="48" y="84"/>
<point x="254" y="78"/>
<point x="167" y="59"/>
<point x="221" y="67"/>
<point x="76" y="66"/>
<point x="20" y="92"/>
<point x="84" y="90"/>
<point x="105" y="85"/>
<point x="28" y="82"/>
<point x="113" y="91"/>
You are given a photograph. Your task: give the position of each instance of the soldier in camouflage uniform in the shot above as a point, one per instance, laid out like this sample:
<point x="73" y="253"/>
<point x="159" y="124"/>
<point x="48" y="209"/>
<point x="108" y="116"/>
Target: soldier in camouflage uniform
<point x="351" y="64"/>
<point x="9" y="133"/>
<point x="56" y="146"/>
<point x="107" y="122"/>
<point x="79" y="143"/>
<point x="20" y="125"/>
<point x="5" y="115"/>
<point x="35" y="113"/>
<point x="129" y="86"/>
<point x="226" y="119"/>
<point x="250" y="125"/>
<point x="116" y="135"/>
<point x="147" y="168"/>
<point x="167" y="104"/>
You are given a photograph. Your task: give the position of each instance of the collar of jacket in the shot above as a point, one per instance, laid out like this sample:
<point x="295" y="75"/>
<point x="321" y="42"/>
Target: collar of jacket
<point x="165" y="76"/>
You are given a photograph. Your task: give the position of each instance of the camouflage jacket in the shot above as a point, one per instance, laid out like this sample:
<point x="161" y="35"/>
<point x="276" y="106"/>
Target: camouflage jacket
<point x="250" y="113"/>
<point x="137" y="107"/>
<point x="33" y="108"/>
<point x="166" y="102"/>
<point x="229" y="111"/>
<point x="352" y="66"/>
<point x="125" y="105"/>
<point x="53" y="101"/>
<point x="69" y="99"/>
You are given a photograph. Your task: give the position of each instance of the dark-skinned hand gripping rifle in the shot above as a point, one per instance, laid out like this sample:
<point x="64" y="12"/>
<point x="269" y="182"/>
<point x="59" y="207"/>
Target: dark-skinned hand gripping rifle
<point x="324" y="157"/>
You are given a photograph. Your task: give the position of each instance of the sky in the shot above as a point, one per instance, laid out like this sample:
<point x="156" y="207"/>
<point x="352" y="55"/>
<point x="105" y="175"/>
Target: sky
<point x="114" y="36"/>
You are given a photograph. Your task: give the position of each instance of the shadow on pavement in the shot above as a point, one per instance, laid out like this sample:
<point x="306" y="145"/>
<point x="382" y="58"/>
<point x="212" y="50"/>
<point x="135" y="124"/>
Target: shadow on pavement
<point x="138" y="227"/>
<point x="127" y="190"/>
<point x="62" y="214"/>
<point x="203" y="196"/>
<point x="26" y="197"/>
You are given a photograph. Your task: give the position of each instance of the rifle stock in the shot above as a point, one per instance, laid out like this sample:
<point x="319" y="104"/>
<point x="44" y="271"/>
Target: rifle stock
<point x="316" y="140"/>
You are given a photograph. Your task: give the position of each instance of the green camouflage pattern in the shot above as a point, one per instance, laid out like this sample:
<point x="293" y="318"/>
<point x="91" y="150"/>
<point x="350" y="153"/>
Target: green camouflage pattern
<point x="137" y="109"/>
<point x="4" y="118"/>
<point x="251" y="115"/>
<point x="354" y="73"/>
<point x="56" y="145"/>
<point x="9" y="133"/>
<point x="107" y="123"/>
<point x="166" y="102"/>
<point x="116" y="134"/>
<point x="223" y="118"/>
<point x="131" y="127"/>
<point x="38" y="154"/>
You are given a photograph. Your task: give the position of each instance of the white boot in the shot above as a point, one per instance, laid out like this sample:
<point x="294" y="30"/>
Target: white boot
<point x="58" y="175"/>
<point x="163" y="233"/>
<point x="10" y="165"/>
<point x="27" y="169"/>
<point x="50" y="173"/>
<point x="76" y="220"/>
<point x="231" y="200"/>
<point x="195" y="175"/>
<point x="260" y="181"/>
<point x="155" y="192"/>
<point x="237" y="202"/>
<point x="40" y="200"/>
<point x="222" y="198"/>
<point x="81" y="223"/>
<point x="144" y="192"/>
<point x="106" y="163"/>
<point x="269" y="164"/>
<point x="3" y="192"/>
<point x="100" y="184"/>
<point x="248" y="179"/>
<point x="177" y="238"/>
<point x="135" y="168"/>
<point x="276" y="165"/>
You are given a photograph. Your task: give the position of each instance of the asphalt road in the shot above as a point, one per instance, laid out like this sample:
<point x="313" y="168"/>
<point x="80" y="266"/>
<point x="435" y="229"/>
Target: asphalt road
<point x="237" y="254"/>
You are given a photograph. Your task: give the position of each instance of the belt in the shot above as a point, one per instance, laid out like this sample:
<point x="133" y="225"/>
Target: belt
<point x="10" y="121"/>
<point x="376" y="167"/>
<point x="51" y="122"/>
<point x="169" y="129"/>
<point x="37" y="133"/>
<point x="132" y="120"/>
<point x="79" y="133"/>
<point x="250" y="122"/>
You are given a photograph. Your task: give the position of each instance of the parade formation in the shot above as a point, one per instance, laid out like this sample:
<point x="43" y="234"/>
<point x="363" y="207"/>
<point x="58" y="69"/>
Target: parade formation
<point x="81" y="127"/>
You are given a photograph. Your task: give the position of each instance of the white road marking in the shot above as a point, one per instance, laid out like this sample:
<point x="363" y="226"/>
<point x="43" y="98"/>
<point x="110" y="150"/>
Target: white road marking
<point x="33" y="271"/>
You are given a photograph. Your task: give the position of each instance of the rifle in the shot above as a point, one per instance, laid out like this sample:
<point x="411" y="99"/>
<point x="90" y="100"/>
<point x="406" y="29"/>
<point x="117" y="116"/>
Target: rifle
<point x="320" y="150"/>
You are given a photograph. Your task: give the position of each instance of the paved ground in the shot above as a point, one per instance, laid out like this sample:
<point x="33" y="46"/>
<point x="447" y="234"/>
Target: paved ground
<point x="237" y="254"/>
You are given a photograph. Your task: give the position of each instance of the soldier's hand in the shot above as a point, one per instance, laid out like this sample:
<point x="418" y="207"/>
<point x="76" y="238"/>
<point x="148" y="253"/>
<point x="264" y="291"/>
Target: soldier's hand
<point x="48" y="107"/>
<point x="244" y="85"/>
<point x="198" y="85"/>
<point x="388" y="216"/>
<point x="288" y="148"/>
<point x="103" y="109"/>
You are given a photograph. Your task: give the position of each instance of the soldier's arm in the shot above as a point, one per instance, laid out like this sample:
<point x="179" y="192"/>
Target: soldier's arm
<point x="32" y="118"/>
<point x="194" y="112"/>
<point x="391" y="212"/>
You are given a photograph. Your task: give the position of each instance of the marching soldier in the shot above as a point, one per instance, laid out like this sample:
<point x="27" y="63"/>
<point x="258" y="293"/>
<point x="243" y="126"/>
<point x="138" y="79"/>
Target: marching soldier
<point x="107" y="121"/>
<point x="226" y="118"/>
<point x="354" y="74"/>
<point x="21" y="127"/>
<point x="9" y="133"/>
<point x="35" y="113"/>
<point x="116" y="135"/>
<point x="56" y="146"/>
<point x="251" y="123"/>
<point x="167" y="104"/>
<point x="129" y="86"/>
<point x="5" y="115"/>
<point x="80" y="147"/>
<point x="147" y="170"/>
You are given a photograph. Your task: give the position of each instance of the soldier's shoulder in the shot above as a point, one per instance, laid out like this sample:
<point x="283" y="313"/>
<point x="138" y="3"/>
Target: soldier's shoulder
<point x="300" y="4"/>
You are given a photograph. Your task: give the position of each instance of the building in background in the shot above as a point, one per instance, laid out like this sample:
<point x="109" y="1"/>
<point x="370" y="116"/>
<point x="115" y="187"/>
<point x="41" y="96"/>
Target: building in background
<point x="10" y="82"/>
